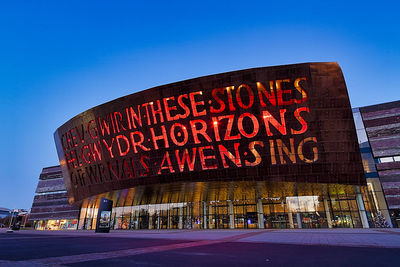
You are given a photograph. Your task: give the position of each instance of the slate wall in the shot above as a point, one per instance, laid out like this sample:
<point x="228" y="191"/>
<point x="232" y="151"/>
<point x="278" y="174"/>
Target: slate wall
<point x="382" y="124"/>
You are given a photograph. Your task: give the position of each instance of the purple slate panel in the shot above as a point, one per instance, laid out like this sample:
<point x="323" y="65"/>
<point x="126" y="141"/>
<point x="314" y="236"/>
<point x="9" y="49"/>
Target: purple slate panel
<point x="372" y="112"/>
<point x="393" y="142"/>
<point x="50" y="185"/>
<point x="49" y="203"/>
<point x="382" y="124"/>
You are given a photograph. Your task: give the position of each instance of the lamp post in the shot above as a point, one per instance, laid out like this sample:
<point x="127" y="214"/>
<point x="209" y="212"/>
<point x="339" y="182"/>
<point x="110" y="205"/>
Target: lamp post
<point x="11" y="219"/>
<point x="10" y="224"/>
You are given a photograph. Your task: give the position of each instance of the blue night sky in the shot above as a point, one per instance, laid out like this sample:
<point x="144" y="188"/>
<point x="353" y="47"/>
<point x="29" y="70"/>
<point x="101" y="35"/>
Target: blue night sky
<point x="60" y="58"/>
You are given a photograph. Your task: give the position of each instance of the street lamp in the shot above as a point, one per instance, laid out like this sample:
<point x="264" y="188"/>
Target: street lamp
<point x="10" y="224"/>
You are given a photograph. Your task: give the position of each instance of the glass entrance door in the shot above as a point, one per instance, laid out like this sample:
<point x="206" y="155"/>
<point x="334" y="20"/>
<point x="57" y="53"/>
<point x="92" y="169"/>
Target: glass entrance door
<point x="218" y="215"/>
<point x="245" y="213"/>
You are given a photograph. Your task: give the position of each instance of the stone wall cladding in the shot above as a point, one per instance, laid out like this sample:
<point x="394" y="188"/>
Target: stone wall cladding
<point x="50" y="203"/>
<point x="382" y="124"/>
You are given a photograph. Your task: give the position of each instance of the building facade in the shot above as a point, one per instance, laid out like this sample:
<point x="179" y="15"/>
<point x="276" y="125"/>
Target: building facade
<point x="50" y="208"/>
<point x="4" y="216"/>
<point x="272" y="147"/>
<point x="378" y="127"/>
<point x="4" y="212"/>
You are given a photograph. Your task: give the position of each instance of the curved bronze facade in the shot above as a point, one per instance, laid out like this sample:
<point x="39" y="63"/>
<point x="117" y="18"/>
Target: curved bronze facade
<point x="276" y="124"/>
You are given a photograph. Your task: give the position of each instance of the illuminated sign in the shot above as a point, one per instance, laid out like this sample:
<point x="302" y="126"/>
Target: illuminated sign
<point x="286" y="123"/>
<point x="103" y="223"/>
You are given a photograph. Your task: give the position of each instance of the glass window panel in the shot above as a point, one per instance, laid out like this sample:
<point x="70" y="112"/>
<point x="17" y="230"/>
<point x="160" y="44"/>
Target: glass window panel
<point x="358" y="119"/>
<point x="279" y="208"/>
<point x="302" y="203"/>
<point x="356" y="219"/>
<point x="335" y="205"/>
<point x="386" y="159"/>
<point x="353" y="205"/>
<point x="267" y="209"/>
<point x="368" y="162"/>
<point x="362" y="138"/>
<point x="344" y="205"/>
<point x="251" y="208"/>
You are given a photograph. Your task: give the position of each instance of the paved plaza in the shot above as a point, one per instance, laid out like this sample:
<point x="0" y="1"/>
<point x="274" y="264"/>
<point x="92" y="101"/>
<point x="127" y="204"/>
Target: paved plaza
<point x="269" y="247"/>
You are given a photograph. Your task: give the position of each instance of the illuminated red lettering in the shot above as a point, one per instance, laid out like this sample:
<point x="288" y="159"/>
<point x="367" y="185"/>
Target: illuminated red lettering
<point x="268" y="118"/>
<point x="230" y="101"/>
<point x="201" y="131"/>
<point x="186" y="158"/>
<point x="118" y="121"/>
<point x="184" y="106"/>
<point x="269" y="95"/>
<point x="203" y="158"/>
<point x="221" y="103"/>
<point x="253" y="150"/>
<point x="182" y="130"/>
<point x="147" y="170"/>
<point x="195" y="104"/>
<point x="280" y="93"/>
<point x="93" y="132"/>
<point x="125" y="139"/>
<point x="73" y="138"/>
<point x="68" y="160"/>
<point x="139" y="143"/>
<point x="282" y="148"/>
<point x="85" y="154"/>
<point x="104" y="126"/>
<point x="253" y="120"/>
<point x="80" y="134"/>
<point x="300" y="90"/>
<point x="229" y="126"/>
<point x="109" y="147"/>
<point x="135" y="117"/>
<point x="216" y="129"/>
<point x="225" y="153"/>
<point x="303" y="123"/>
<point x="168" y="109"/>
<point x="95" y="149"/>
<point x="239" y="97"/>
<point x="128" y="118"/>
<point x="146" y="106"/>
<point x="163" y="136"/>
<point x="72" y="159"/>
<point x="112" y="123"/>
<point x="315" y="150"/>
<point x="169" y="167"/>
<point x="157" y="111"/>
<point x="272" y="152"/>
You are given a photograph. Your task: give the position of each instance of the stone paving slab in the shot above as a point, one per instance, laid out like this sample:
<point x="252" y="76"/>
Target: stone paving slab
<point x="389" y="238"/>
